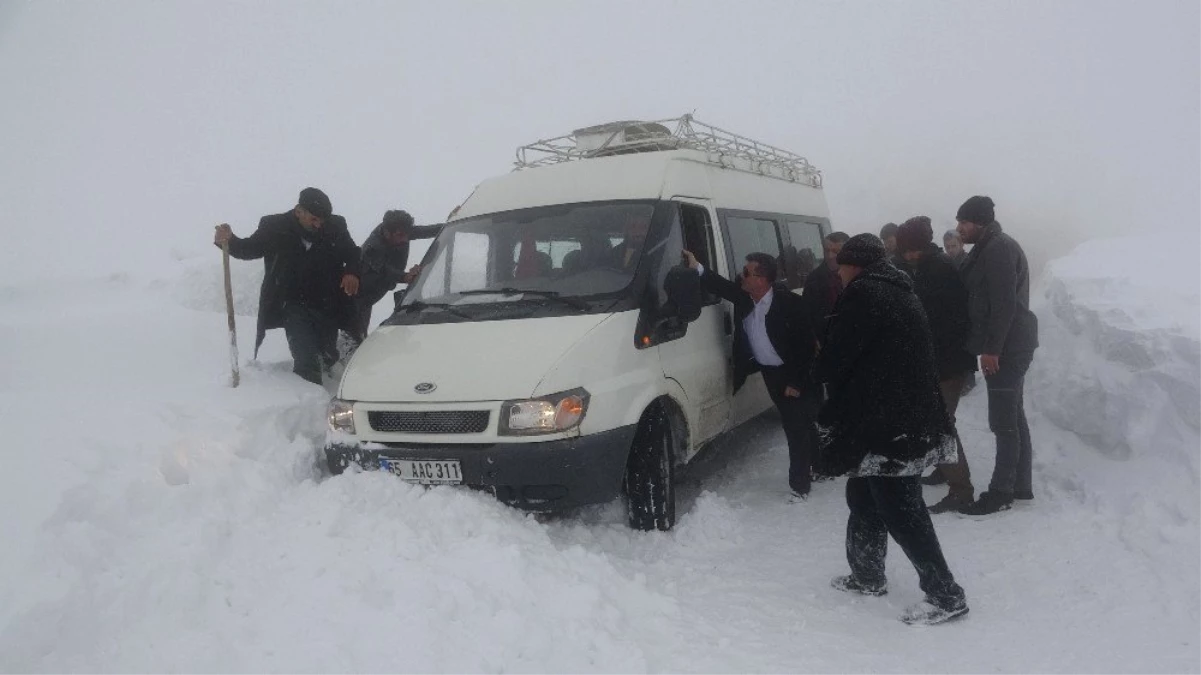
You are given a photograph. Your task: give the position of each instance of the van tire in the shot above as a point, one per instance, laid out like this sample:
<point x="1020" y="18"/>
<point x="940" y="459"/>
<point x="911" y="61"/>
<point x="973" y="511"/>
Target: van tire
<point x="649" y="480"/>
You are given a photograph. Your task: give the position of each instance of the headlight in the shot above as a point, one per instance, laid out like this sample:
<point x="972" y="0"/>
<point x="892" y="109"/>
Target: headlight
<point x="550" y="414"/>
<point x="341" y="416"/>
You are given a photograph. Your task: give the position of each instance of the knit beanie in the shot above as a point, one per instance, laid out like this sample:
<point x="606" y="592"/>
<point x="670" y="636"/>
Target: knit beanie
<point x="862" y="250"/>
<point x="914" y="234"/>
<point x="978" y="210"/>
<point x="315" y="202"/>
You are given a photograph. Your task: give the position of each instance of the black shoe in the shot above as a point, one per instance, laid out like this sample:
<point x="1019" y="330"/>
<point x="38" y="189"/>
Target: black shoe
<point x="988" y="504"/>
<point x="926" y="613"/>
<point x="952" y="502"/>
<point x="1025" y="495"/>
<point x="849" y="584"/>
<point x="935" y="478"/>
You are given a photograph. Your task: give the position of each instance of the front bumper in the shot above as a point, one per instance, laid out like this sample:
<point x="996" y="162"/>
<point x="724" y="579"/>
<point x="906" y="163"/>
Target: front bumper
<point x="538" y="476"/>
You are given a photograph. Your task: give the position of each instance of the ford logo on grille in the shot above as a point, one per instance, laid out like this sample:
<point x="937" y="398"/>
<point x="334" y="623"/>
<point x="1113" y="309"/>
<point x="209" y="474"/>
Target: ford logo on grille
<point x="425" y="387"/>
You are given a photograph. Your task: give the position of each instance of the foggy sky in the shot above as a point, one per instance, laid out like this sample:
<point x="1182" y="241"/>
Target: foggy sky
<point x="128" y="129"/>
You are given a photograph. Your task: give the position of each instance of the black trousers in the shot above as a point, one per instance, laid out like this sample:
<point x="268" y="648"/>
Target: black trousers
<point x="362" y="319"/>
<point x="1007" y="419"/>
<point x="881" y="506"/>
<point x="959" y="474"/>
<point x="798" y="416"/>
<point x="312" y="339"/>
<point x="371" y="291"/>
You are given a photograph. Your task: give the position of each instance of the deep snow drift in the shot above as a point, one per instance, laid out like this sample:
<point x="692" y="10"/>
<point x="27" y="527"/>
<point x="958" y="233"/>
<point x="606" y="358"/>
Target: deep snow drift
<point x="156" y="520"/>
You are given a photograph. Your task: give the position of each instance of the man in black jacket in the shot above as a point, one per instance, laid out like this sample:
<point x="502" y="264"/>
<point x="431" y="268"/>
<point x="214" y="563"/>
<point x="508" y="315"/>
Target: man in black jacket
<point x="822" y="286"/>
<point x="953" y="245"/>
<point x="773" y="335"/>
<point x="888" y="234"/>
<point x="944" y="298"/>
<point x="884" y="423"/>
<point x="311" y="269"/>
<point x="1005" y="335"/>
<point x="385" y="260"/>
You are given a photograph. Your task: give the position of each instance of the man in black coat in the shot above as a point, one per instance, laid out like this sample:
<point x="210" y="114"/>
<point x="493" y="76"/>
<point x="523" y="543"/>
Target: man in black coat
<point x="822" y="286"/>
<point x="773" y="335"/>
<point x="311" y="270"/>
<point x="884" y="423"/>
<point x="888" y="234"/>
<point x="384" y="262"/>
<point x="1005" y="335"/>
<point x="953" y="245"/>
<point x="944" y="298"/>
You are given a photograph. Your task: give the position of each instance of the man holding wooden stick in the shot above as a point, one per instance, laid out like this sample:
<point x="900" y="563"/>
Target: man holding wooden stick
<point x="311" y="272"/>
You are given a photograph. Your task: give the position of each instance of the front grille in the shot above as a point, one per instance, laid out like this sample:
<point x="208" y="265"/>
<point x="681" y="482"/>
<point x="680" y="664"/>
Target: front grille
<point x="437" y="422"/>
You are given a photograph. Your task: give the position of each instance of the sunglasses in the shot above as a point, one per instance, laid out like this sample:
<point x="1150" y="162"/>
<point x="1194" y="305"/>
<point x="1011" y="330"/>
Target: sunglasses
<point x="746" y="272"/>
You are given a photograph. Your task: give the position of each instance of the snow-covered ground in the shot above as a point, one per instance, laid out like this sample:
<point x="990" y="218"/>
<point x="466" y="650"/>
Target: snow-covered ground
<point x="157" y="520"/>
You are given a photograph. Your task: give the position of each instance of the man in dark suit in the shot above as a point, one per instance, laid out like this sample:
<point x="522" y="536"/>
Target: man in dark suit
<point x="773" y="335"/>
<point x="312" y="266"/>
<point x="822" y="285"/>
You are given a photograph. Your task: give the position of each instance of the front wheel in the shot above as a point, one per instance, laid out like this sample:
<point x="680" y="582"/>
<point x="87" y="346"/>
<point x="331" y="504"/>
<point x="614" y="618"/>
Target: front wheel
<point x="650" y="492"/>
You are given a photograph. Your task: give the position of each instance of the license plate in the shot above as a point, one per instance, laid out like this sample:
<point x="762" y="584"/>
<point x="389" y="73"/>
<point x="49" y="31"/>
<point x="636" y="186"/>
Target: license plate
<point x="425" y="471"/>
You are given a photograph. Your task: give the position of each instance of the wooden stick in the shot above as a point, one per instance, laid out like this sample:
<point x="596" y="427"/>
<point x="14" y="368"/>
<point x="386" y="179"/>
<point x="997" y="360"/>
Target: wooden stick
<point x="229" y="312"/>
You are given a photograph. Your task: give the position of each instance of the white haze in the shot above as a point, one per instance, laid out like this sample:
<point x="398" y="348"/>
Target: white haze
<point x="129" y="129"/>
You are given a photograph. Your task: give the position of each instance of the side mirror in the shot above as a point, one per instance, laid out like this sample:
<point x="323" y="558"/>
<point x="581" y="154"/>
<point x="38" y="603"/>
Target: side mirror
<point x="397" y="298"/>
<point x="685" y="298"/>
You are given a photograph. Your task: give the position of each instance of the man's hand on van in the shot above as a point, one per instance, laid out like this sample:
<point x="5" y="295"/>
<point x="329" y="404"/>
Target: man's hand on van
<point x="411" y="274"/>
<point x="792" y="392"/>
<point x="689" y="259"/>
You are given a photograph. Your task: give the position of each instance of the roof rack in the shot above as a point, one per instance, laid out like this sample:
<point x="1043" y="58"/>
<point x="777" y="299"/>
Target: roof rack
<point x="619" y="138"/>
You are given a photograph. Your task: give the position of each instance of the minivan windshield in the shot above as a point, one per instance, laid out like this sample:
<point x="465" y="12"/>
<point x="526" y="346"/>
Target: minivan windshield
<point x="550" y="255"/>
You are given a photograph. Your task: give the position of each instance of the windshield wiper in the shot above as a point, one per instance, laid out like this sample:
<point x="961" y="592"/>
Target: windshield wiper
<point x="553" y="295"/>
<point x="418" y="305"/>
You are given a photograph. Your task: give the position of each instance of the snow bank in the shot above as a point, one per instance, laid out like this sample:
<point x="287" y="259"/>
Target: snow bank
<point x="158" y="520"/>
<point x="1122" y="322"/>
<point x="1120" y="369"/>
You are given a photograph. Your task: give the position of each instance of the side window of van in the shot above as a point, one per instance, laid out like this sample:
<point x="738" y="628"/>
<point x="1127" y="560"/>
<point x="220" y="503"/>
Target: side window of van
<point x="804" y="252"/>
<point x="667" y="255"/>
<point x="698" y="238"/>
<point x="753" y="235"/>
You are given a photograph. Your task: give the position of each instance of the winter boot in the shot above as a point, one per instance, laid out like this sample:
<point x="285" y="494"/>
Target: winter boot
<point x="952" y="502"/>
<point x="1025" y="495"/>
<point x="935" y="478"/>
<point x="849" y="584"/>
<point x="795" y="497"/>
<point x="926" y="613"/>
<point x="988" y="504"/>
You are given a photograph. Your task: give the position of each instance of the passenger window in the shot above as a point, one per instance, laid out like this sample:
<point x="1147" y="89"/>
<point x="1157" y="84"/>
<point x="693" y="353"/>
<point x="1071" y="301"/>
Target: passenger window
<point x="804" y="253"/>
<point x="752" y="235"/>
<point x="698" y="234"/>
<point x="668" y="256"/>
<point x="698" y="238"/>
